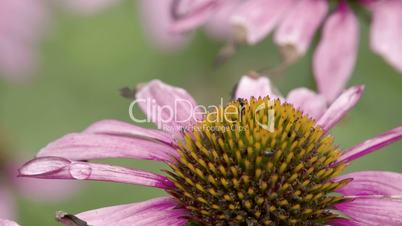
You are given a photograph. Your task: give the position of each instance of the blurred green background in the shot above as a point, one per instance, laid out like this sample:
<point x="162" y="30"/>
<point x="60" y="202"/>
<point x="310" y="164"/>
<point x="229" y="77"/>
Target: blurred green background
<point x="86" y="60"/>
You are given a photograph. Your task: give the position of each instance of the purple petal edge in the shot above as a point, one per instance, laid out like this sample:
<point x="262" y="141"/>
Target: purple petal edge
<point x="372" y="145"/>
<point x="60" y="168"/>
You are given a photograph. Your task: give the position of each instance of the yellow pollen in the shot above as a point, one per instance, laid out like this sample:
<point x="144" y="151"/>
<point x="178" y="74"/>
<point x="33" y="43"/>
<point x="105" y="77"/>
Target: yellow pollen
<point x="257" y="162"/>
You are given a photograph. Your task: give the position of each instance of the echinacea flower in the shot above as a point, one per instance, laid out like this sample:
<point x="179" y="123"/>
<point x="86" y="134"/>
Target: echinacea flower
<point x="11" y="185"/>
<point x="22" y="24"/>
<point x="295" y="23"/>
<point x="256" y="161"/>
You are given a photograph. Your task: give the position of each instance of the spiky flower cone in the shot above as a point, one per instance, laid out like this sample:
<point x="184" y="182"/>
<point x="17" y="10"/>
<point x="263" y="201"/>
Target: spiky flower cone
<point x="234" y="171"/>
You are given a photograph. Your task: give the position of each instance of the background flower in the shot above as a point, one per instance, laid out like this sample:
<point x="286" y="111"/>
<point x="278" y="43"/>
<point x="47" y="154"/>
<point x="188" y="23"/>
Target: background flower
<point x="296" y="23"/>
<point x="21" y="30"/>
<point x="87" y="59"/>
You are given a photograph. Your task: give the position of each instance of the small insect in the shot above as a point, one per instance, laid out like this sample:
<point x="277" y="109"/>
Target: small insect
<point x="268" y="153"/>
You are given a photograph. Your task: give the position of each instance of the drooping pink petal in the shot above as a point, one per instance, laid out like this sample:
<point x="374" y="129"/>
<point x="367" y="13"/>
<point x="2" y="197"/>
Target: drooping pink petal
<point x="297" y="29"/>
<point x="386" y="31"/>
<point x="336" y="54"/>
<point x="4" y="222"/>
<point x="172" y="109"/>
<point x="119" y="128"/>
<point x="372" y="145"/>
<point x="374" y="210"/>
<point x="309" y="102"/>
<point x="7" y="204"/>
<point x="88" y="7"/>
<point x="159" y="211"/>
<point x="256" y="86"/>
<point x="189" y="14"/>
<point x="156" y="19"/>
<point x="60" y="168"/>
<point x="342" y="105"/>
<point x="258" y="18"/>
<point x="40" y="190"/>
<point x="86" y="146"/>
<point x="372" y="183"/>
<point x="219" y="24"/>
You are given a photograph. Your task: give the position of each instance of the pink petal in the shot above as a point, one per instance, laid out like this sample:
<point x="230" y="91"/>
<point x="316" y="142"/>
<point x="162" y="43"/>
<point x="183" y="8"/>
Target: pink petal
<point x="300" y="24"/>
<point x="374" y="210"/>
<point x="343" y="222"/>
<point x="172" y="109"/>
<point x="159" y="211"/>
<point x="4" y="222"/>
<point x="372" y="183"/>
<point x="372" y="145"/>
<point x="119" y="128"/>
<point x="7" y="204"/>
<point x="60" y="168"/>
<point x="43" y="191"/>
<point x="89" y="7"/>
<point x="386" y="31"/>
<point x="219" y="24"/>
<point x="336" y="53"/>
<point x="189" y="14"/>
<point x="259" y="17"/>
<point x="85" y="146"/>
<point x="342" y="105"/>
<point x="255" y="86"/>
<point x="308" y="102"/>
<point x="156" y="19"/>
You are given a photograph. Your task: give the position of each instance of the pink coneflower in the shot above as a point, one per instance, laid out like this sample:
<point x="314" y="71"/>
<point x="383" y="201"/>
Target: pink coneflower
<point x="22" y="24"/>
<point x="296" y="22"/>
<point x="230" y="170"/>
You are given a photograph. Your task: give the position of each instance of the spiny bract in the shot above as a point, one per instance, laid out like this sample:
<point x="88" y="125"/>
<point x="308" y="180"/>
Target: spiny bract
<point x="234" y="170"/>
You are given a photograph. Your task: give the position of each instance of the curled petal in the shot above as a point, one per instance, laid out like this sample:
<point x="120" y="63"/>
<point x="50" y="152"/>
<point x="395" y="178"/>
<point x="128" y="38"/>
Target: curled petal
<point x="299" y="26"/>
<point x="373" y="210"/>
<point x="308" y="102"/>
<point x="172" y="109"/>
<point x="157" y="19"/>
<point x="4" y="222"/>
<point x="372" y="145"/>
<point x="386" y="31"/>
<point x="59" y="168"/>
<point x="342" y="105"/>
<point x="372" y="183"/>
<point x="85" y="146"/>
<point x="159" y="211"/>
<point x="255" y="86"/>
<point x="258" y="18"/>
<point x="119" y="128"/>
<point x="189" y="14"/>
<point x="7" y="204"/>
<point x="336" y="53"/>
